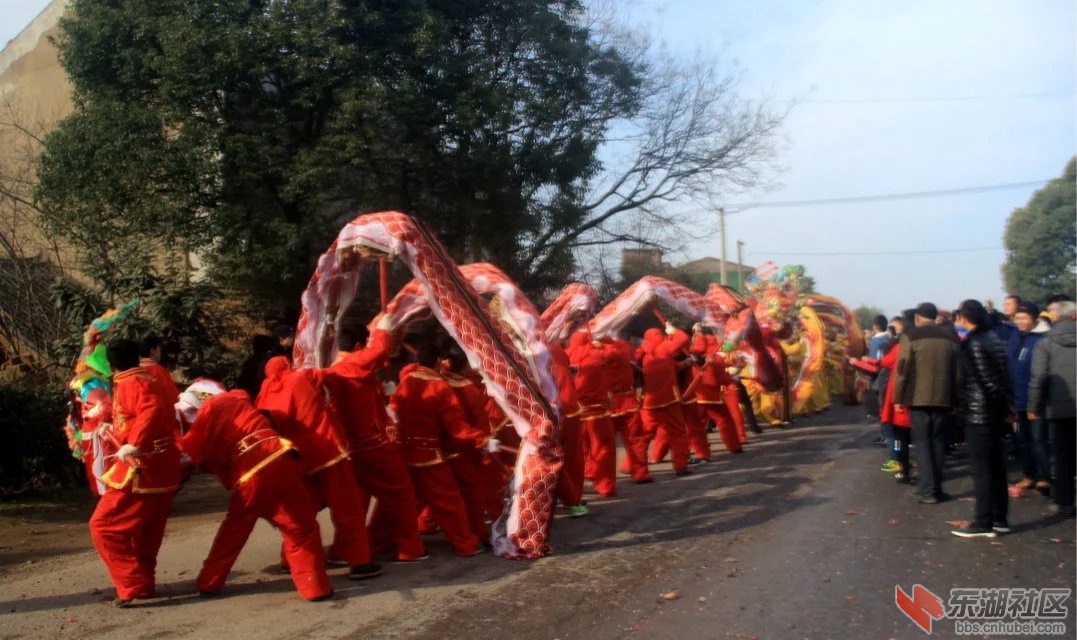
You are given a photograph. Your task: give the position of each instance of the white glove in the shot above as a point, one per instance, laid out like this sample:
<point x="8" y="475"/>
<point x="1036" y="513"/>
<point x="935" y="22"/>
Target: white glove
<point x="670" y="329"/>
<point x="492" y="445"/>
<point x="102" y="429"/>
<point x="732" y="370"/>
<point x="127" y="450"/>
<point x="697" y="327"/>
<point x="385" y="323"/>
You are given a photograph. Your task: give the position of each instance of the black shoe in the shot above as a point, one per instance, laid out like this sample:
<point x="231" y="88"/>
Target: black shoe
<point x="683" y="472"/>
<point x="208" y="594"/>
<point x="943" y="497"/>
<point x="122" y="604"/>
<point x="321" y="598"/>
<point x="973" y="531"/>
<point x="755" y="429"/>
<point x="737" y="451"/>
<point x="365" y="571"/>
<point x="1000" y="527"/>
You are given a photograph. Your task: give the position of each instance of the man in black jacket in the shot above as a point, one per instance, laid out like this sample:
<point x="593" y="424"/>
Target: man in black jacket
<point x="986" y="398"/>
<point x="925" y="381"/>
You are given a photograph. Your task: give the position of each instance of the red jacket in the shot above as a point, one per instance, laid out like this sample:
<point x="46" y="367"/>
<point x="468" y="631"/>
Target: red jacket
<point x="232" y="439"/>
<point x="592" y="366"/>
<point x="888" y="413"/>
<point x="472" y="397"/>
<point x="145" y="418"/>
<point x="357" y="394"/>
<point x="621" y="374"/>
<point x="428" y="414"/>
<point x="566" y="386"/>
<point x="164" y="379"/>
<point x="658" y="354"/>
<point x="296" y="400"/>
<point x="712" y="374"/>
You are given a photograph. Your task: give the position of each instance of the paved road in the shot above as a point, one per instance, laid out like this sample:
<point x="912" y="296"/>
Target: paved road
<point x="801" y="537"/>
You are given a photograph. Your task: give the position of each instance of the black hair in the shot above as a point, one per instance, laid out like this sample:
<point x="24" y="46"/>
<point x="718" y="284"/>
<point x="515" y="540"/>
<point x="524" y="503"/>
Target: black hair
<point x="973" y="311"/>
<point x="879" y="322"/>
<point x="148" y="344"/>
<point x="908" y="316"/>
<point x="1058" y="297"/>
<point x="1013" y="297"/>
<point x="428" y="354"/>
<point x="352" y="336"/>
<point x="122" y="355"/>
<point x="457" y="359"/>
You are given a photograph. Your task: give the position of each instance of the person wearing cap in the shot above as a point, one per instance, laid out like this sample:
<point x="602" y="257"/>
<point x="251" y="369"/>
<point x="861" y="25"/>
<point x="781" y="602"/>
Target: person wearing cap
<point x="1031" y="435"/>
<point x="237" y="443"/>
<point x="128" y="524"/>
<point x="1051" y="392"/>
<point x="986" y="399"/>
<point x="925" y="383"/>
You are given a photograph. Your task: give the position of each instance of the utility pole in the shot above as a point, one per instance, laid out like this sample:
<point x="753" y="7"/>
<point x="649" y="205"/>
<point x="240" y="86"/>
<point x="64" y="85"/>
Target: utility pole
<point x="721" y="229"/>
<point x="740" y="267"/>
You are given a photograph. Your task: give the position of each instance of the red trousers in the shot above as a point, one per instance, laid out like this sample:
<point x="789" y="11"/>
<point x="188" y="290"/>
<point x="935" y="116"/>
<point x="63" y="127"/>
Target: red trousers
<point x="466" y="470"/>
<point x="634" y="441"/>
<point x="600" y="444"/>
<point x="127" y="529"/>
<point x="570" y="482"/>
<point x="731" y="397"/>
<point x="696" y="422"/>
<point x="381" y="473"/>
<point x="669" y="420"/>
<point x="278" y="494"/>
<point x="335" y="487"/>
<point x="727" y="429"/>
<point x="436" y="488"/>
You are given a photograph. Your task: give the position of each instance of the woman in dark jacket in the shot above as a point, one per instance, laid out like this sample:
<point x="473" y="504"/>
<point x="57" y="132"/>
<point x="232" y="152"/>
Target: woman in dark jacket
<point x="986" y="398"/>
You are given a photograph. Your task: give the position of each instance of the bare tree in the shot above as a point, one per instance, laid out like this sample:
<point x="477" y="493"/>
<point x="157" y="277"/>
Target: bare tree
<point x="693" y="139"/>
<point x="30" y="262"/>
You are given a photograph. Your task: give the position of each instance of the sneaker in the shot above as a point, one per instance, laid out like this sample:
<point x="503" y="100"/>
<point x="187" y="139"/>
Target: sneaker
<point x="925" y="499"/>
<point x="577" y="511"/>
<point x="693" y="460"/>
<point x="1000" y="527"/>
<point x="365" y="571"/>
<point x="902" y="478"/>
<point x="891" y="466"/>
<point x="972" y="531"/>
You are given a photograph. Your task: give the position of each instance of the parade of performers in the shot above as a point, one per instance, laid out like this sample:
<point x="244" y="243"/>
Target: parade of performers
<point x="478" y="426"/>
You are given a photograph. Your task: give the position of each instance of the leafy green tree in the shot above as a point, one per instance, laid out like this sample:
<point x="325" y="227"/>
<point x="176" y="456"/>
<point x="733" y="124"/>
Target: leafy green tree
<point x="866" y="315"/>
<point x="1041" y="241"/>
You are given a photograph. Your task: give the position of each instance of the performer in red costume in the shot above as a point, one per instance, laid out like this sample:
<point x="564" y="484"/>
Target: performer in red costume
<point x="129" y="522"/>
<point x="624" y="410"/>
<point x="237" y="444"/>
<point x="297" y="403"/>
<point x="379" y="469"/>
<point x="695" y="418"/>
<point x="591" y="361"/>
<point x="711" y="389"/>
<point x="570" y="482"/>
<point x="661" y="408"/>
<point x="149" y="352"/>
<point x="428" y="414"/>
<point x="469" y="464"/>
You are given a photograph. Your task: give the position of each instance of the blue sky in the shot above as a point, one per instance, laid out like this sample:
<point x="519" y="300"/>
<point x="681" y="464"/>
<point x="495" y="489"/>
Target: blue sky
<point x="891" y="97"/>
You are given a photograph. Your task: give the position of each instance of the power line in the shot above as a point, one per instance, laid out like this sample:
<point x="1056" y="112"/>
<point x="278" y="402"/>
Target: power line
<point x="1013" y="96"/>
<point x="885" y="196"/>
<point x="876" y="253"/>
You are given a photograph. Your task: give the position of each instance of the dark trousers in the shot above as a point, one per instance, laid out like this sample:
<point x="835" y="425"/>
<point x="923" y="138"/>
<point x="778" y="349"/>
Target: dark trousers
<point x="900" y="450"/>
<point x="1064" y="435"/>
<point x="1032" y="448"/>
<point x="746" y="406"/>
<point x="987" y="460"/>
<point x="929" y="427"/>
<point x="871" y="402"/>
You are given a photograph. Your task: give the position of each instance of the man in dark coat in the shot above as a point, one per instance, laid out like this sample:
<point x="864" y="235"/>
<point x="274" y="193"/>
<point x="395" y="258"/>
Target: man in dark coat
<point x="925" y="382"/>
<point x="1051" y="393"/>
<point x="986" y="398"/>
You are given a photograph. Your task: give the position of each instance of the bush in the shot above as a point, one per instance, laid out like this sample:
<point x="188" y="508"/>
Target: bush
<point x="34" y="456"/>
